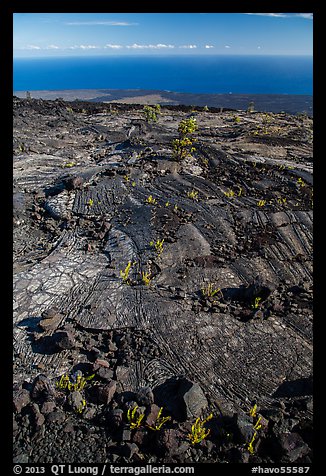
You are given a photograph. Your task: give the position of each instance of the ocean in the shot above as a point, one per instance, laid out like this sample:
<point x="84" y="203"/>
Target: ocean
<point x="186" y="74"/>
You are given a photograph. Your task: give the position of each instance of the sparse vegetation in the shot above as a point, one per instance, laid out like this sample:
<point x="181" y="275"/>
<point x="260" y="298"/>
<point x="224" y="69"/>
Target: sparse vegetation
<point x="193" y="195"/>
<point x="198" y="432"/>
<point x="250" y="445"/>
<point x="151" y="200"/>
<point x="69" y="164"/>
<point x="74" y="385"/>
<point x="158" y="245"/>
<point x="125" y="273"/>
<point x="230" y="193"/>
<point x="256" y="302"/>
<point x="209" y="290"/>
<point x="134" y="417"/>
<point x="146" y="277"/>
<point x="151" y="112"/>
<point x="182" y="147"/>
<point x="159" y="422"/>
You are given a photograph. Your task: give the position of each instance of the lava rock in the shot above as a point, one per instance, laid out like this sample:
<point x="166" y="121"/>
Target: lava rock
<point x="74" y="183"/>
<point x="50" y="313"/>
<point x="114" y="418"/>
<point x="21" y="399"/>
<point x="151" y="414"/>
<point x="293" y="446"/>
<point x="105" y="374"/>
<point x="64" y="340"/>
<point x="194" y="399"/>
<point x="181" y="398"/>
<point x="101" y="363"/>
<point x="145" y="396"/>
<point x="57" y="416"/>
<point x="75" y="401"/>
<point x="121" y="373"/>
<point x="47" y="407"/>
<point x="42" y="389"/>
<point x="51" y="318"/>
<point x="126" y="434"/>
<point x="244" y="427"/>
<point x="37" y="419"/>
<point x="238" y="455"/>
<point x="141" y="437"/>
<point x="104" y="393"/>
<point x="129" y="449"/>
<point x="169" y="441"/>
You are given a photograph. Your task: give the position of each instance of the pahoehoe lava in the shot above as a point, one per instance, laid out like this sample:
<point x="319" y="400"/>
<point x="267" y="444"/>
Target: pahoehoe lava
<point x="235" y="216"/>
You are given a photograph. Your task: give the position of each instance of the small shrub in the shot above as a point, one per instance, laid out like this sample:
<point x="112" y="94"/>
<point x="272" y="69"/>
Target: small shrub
<point x="198" y="432"/>
<point x="151" y="200"/>
<point x="158" y="246"/>
<point x="256" y="303"/>
<point x="193" y="194"/>
<point x="146" y="277"/>
<point x="151" y="113"/>
<point x="187" y="126"/>
<point x="159" y="421"/>
<point x="125" y="273"/>
<point x="134" y="419"/>
<point x="182" y="147"/>
<point x="209" y="291"/>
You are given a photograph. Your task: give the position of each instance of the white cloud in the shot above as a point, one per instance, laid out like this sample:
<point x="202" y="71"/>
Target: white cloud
<point x="209" y="46"/>
<point x="100" y="23"/>
<point x="82" y="47"/>
<point x="114" y="47"/>
<point x="268" y="14"/>
<point x="88" y="47"/>
<point x="227" y="46"/>
<point x="136" y="46"/>
<point x="52" y="47"/>
<point x="308" y="16"/>
<point x="188" y="46"/>
<point x="31" y="47"/>
<point x="160" y="45"/>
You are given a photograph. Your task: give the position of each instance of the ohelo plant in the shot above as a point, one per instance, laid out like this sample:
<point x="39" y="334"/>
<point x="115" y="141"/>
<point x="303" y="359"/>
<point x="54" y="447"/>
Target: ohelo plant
<point x="159" y="422"/>
<point x="193" y="194"/>
<point x="158" y="245"/>
<point x="146" y="277"/>
<point x="198" y="432"/>
<point x="151" y="200"/>
<point x="250" y="445"/>
<point x="256" y="303"/>
<point x="76" y="384"/>
<point x="134" y="418"/>
<point x="182" y="147"/>
<point x="151" y="113"/>
<point x="210" y="291"/>
<point x="187" y="126"/>
<point x="124" y="274"/>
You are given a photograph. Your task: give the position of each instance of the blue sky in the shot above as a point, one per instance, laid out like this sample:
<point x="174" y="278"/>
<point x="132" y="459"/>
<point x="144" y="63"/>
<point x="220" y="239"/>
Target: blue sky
<point x="90" y="34"/>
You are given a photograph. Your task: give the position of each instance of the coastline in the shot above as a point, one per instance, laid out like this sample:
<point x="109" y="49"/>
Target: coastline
<point x="276" y="103"/>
